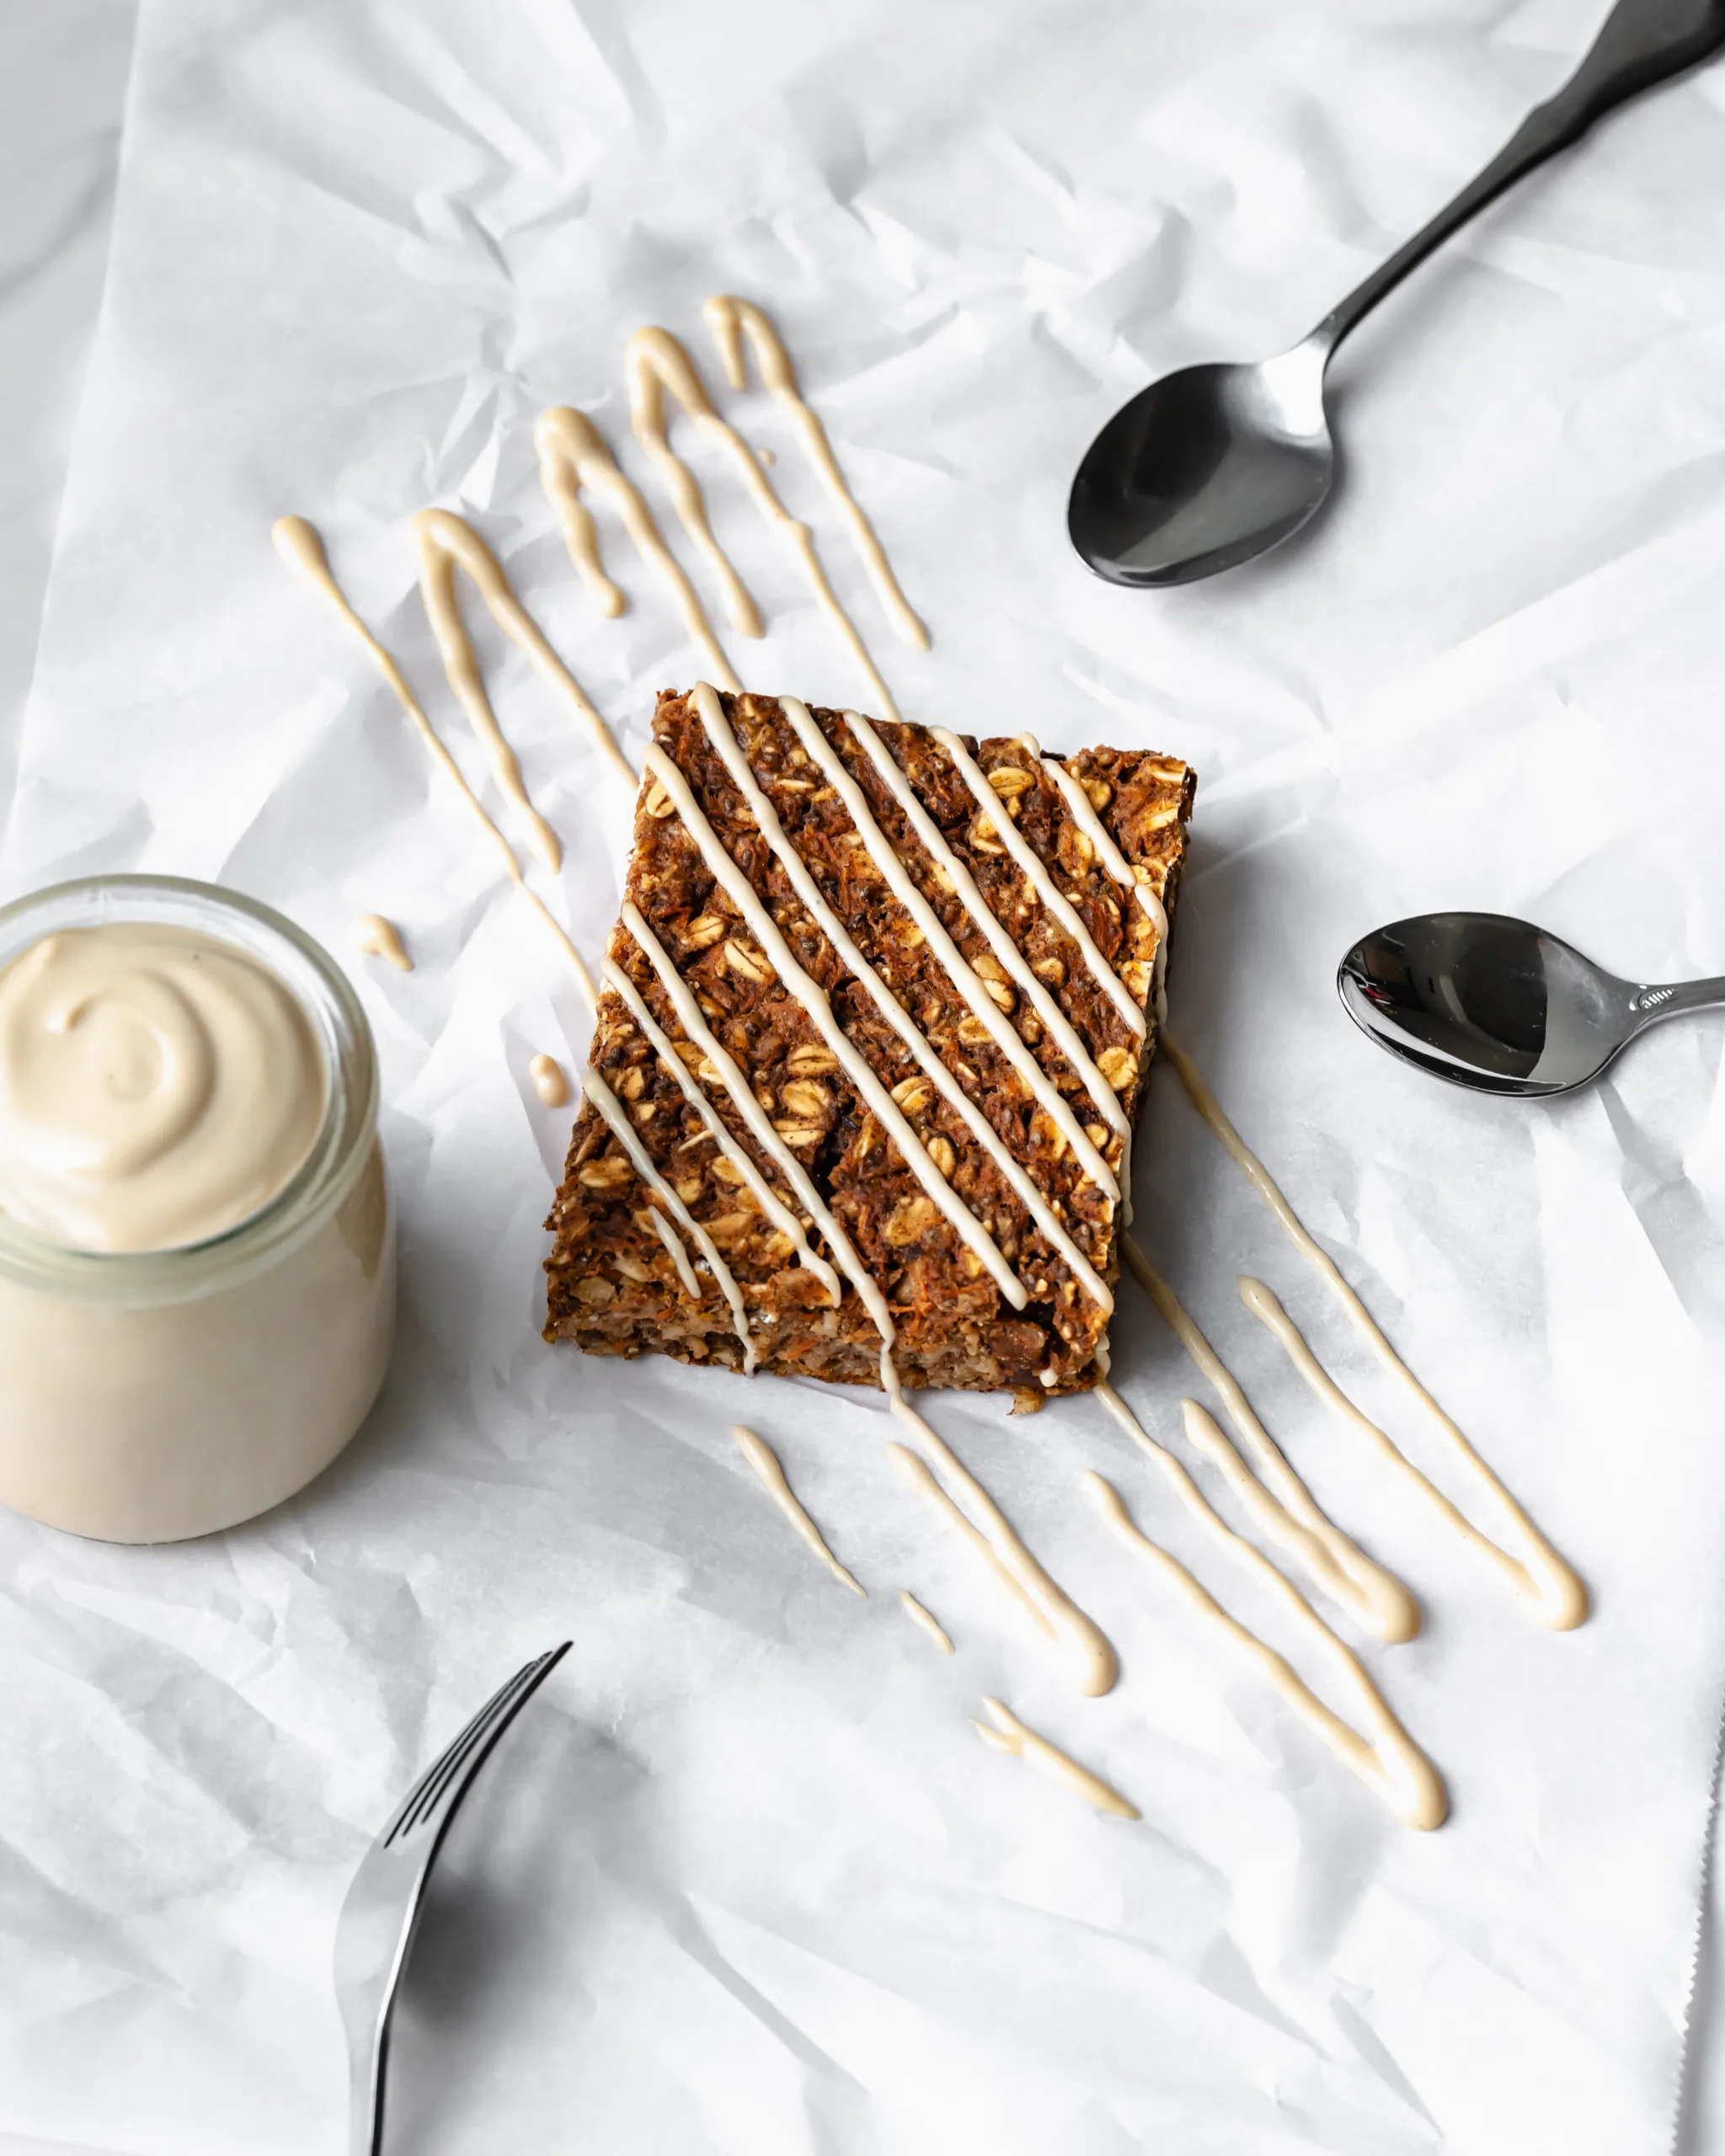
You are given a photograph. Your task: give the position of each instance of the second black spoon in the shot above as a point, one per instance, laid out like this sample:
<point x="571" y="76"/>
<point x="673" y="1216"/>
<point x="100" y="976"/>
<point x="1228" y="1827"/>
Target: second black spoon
<point x="1488" y="1001"/>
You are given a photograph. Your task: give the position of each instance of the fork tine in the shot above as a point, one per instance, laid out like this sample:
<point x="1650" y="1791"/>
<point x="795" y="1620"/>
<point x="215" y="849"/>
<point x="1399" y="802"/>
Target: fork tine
<point x="455" y="1768"/>
<point x="453" y="1784"/>
<point x="402" y="1809"/>
<point x="426" y="1790"/>
<point x="496" y="1710"/>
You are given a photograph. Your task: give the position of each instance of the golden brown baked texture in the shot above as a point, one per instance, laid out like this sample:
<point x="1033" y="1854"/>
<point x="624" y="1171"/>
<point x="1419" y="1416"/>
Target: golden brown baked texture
<point x="614" y="1285"/>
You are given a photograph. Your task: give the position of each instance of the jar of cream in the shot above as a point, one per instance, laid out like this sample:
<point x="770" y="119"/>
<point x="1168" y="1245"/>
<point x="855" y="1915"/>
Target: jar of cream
<point x="197" y="1253"/>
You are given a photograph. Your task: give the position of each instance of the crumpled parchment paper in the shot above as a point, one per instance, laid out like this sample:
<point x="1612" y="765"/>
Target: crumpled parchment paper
<point x="748" y="1882"/>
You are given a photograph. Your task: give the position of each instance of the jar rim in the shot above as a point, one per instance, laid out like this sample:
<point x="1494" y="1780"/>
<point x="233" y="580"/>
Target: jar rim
<point x="339" y="1153"/>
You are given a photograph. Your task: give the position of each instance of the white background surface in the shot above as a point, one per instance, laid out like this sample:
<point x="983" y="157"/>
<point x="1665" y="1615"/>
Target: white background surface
<point x="756" y="1886"/>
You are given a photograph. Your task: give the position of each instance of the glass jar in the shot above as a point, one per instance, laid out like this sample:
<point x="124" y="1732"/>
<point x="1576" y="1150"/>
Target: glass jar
<point x="148" y="1396"/>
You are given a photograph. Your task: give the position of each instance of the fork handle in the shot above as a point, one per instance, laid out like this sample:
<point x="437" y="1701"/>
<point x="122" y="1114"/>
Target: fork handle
<point x="1642" y="42"/>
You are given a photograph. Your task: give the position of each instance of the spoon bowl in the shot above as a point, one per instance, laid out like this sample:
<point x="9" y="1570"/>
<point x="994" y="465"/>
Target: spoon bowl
<point x="1203" y="469"/>
<point x="1491" y="1003"/>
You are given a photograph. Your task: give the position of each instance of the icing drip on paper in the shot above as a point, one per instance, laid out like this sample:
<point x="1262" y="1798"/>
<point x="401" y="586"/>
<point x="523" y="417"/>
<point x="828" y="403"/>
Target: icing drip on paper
<point x="656" y="363"/>
<point x="924" y="1621"/>
<point x="1390" y="1762"/>
<point x="549" y="1082"/>
<point x="1278" y="1500"/>
<point x="1544" y="1582"/>
<point x="299" y="546"/>
<point x="379" y="938"/>
<point x="731" y="320"/>
<point x="1088" y="1652"/>
<point x="447" y="542"/>
<point x="573" y="454"/>
<point x="441" y="545"/>
<point x="1007" y="1733"/>
<point x="767" y="1464"/>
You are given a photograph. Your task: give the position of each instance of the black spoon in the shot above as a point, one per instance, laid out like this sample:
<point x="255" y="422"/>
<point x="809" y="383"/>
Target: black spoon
<point x="1497" y="1004"/>
<point x="1210" y="466"/>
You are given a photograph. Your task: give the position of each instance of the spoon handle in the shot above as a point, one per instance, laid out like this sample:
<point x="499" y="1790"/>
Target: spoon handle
<point x="1648" y="1005"/>
<point x="1642" y="42"/>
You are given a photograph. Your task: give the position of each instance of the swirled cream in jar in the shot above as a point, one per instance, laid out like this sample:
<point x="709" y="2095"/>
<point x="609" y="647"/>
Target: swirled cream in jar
<point x="197" y="1282"/>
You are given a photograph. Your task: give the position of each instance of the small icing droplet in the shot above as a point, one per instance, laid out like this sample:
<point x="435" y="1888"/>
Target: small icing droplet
<point x="549" y="1082"/>
<point x="379" y="938"/>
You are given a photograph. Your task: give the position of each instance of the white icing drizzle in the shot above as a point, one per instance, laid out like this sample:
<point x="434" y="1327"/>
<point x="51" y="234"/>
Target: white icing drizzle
<point x="447" y="541"/>
<point x="922" y="1479"/>
<point x="759" y="1125"/>
<point x="573" y="454"/>
<point x="300" y="547"/>
<point x="971" y="986"/>
<point x="549" y="1082"/>
<point x="729" y="320"/>
<point x="1114" y="863"/>
<point x="1014" y="1568"/>
<point x="657" y="362"/>
<point x="925" y="1621"/>
<point x="439" y="550"/>
<point x="674" y="1246"/>
<point x="1031" y="866"/>
<point x="1092" y="1658"/>
<point x="1558" y="1597"/>
<point x="807" y="990"/>
<point x="1017" y="1570"/>
<point x="1005" y="1731"/>
<point x="608" y="1106"/>
<point x="933" y="843"/>
<point x="766" y="1197"/>
<point x="1274" y="1495"/>
<point x="379" y="937"/>
<point x="1391" y="1764"/>
<point x="768" y="1466"/>
<point x="1550" y="1590"/>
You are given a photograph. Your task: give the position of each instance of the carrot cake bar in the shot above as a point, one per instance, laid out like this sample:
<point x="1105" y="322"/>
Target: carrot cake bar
<point x="876" y="1022"/>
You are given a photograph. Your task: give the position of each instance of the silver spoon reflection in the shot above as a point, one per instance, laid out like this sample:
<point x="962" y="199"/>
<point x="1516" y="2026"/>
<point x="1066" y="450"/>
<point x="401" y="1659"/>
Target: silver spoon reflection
<point x="1211" y="466"/>
<point x="1497" y="1004"/>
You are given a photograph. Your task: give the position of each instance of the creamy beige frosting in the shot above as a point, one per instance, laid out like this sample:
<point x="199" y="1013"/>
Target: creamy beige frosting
<point x="156" y="1087"/>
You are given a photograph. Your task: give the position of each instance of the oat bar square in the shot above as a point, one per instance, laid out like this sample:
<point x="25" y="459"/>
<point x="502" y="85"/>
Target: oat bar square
<point x="875" y="1024"/>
